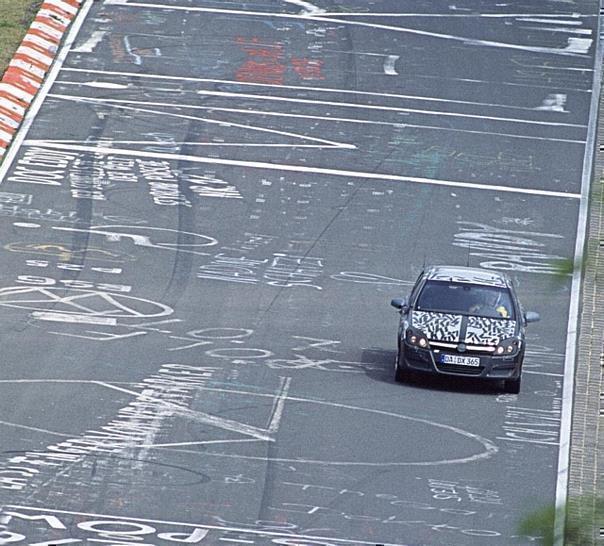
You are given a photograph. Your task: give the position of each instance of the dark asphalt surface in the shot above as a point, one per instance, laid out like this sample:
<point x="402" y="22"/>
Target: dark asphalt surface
<point x="201" y="234"/>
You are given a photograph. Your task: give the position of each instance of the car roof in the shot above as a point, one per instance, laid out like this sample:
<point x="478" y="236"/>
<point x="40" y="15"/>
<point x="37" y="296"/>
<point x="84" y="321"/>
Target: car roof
<point x="472" y="275"/>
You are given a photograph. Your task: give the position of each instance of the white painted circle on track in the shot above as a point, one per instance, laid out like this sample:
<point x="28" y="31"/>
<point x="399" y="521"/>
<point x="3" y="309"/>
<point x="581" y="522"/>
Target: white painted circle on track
<point x="488" y="448"/>
<point x="202" y="240"/>
<point x="75" y="301"/>
<point x="221" y="333"/>
<point x="242" y="352"/>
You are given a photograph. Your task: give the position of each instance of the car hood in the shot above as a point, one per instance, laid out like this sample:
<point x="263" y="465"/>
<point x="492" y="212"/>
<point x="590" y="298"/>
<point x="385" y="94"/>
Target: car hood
<point x="452" y="328"/>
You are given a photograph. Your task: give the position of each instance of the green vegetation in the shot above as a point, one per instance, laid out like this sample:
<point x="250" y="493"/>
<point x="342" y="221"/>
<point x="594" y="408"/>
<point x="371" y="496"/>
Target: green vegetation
<point x="583" y="514"/>
<point x="566" y="267"/>
<point x="15" y="18"/>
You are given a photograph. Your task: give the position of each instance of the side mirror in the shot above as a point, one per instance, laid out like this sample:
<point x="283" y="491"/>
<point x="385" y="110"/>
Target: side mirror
<point x="399" y="303"/>
<point x="531" y="316"/>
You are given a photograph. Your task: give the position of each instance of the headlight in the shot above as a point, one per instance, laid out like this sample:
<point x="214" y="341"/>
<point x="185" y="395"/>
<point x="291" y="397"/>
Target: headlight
<point x="416" y="338"/>
<point x="508" y="347"/>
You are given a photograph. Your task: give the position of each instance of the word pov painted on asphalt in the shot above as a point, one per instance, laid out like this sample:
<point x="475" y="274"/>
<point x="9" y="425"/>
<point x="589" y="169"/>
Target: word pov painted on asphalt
<point x="61" y="527"/>
<point x="92" y="177"/>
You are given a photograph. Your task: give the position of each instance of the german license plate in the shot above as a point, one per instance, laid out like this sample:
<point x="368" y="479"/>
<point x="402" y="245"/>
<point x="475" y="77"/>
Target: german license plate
<point x="460" y="360"/>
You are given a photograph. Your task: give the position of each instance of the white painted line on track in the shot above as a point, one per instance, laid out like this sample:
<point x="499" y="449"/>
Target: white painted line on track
<point x="567" y="68"/>
<point x="43" y="91"/>
<point x="550" y="21"/>
<point x="322" y="118"/>
<point x="204" y="144"/>
<point x="60" y="381"/>
<point x="73" y="318"/>
<point x="307" y="7"/>
<point x="331" y="119"/>
<point x="273" y="98"/>
<point x="279" y="405"/>
<point x="108" y="85"/>
<point x="107" y="150"/>
<point x="199" y="443"/>
<point x="34" y="429"/>
<point x="65" y="334"/>
<point x="553" y="17"/>
<point x="102" y="85"/>
<point x="198" y="416"/>
<point x="572" y="49"/>
<point x="566" y="30"/>
<point x="532" y="86"/>
<point x="228" y="124"/>
<point x="336" y="90"/>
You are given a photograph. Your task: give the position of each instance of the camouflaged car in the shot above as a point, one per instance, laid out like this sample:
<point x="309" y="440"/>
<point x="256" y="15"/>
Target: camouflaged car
<point x="462" y="321"/>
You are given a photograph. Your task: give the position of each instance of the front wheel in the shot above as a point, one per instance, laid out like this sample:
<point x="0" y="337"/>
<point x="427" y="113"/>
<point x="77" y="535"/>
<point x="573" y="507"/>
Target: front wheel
<point x="512" y="386"/>
<point x="400" y="376"/>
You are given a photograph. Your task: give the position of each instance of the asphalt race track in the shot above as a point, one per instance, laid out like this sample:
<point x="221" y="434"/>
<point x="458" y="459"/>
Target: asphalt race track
<point x="202" y="227"/>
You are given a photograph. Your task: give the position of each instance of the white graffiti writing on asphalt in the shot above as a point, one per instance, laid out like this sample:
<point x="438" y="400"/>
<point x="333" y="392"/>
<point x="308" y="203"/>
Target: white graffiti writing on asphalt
<point x="143" y="236"/>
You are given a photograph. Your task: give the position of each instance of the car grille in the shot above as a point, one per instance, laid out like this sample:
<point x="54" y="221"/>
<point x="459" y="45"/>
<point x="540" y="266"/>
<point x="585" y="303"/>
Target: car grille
<point x="459" y="369"/>
<point x="479" y="350"/>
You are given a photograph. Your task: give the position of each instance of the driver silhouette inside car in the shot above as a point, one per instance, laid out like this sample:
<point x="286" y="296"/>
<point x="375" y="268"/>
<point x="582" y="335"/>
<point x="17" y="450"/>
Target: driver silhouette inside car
<point x="489" y="305"/>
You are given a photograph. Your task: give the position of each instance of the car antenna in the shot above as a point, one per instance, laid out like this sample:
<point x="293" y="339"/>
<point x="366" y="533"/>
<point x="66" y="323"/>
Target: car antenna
<point x="469" y="253"/>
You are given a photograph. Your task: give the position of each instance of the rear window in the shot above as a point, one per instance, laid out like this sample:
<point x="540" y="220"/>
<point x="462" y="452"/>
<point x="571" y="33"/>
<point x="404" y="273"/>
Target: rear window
<point x="466" y="299"/>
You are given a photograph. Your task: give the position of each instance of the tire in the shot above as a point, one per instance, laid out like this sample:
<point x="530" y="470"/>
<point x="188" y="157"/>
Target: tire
<point x="400" y="376"/>
<point x="512" y="386"/>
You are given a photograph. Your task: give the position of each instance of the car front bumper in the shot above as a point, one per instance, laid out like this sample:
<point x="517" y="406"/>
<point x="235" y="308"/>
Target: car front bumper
<point x="428" y="361"/>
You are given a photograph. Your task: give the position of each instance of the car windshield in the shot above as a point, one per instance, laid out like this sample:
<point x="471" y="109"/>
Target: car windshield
<point x="466" y="299"/>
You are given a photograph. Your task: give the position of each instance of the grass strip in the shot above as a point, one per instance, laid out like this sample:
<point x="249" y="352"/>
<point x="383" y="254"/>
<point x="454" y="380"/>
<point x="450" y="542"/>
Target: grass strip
<point x="15" y="18"/>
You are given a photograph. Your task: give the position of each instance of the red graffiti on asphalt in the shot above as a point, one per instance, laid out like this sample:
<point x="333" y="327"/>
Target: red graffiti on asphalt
<point x="267" y="63"/>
